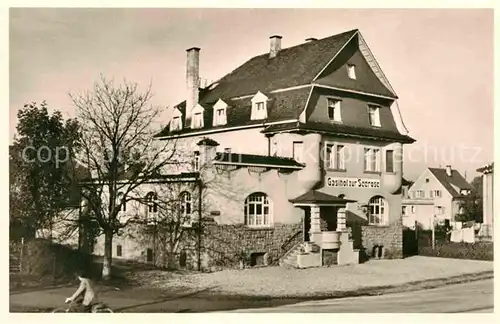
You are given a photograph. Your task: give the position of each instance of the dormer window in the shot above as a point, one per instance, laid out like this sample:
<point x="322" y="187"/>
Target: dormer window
<point x="374" y="113"/>
<point x="220" y="116"/>
<point x="334" y="110"/>
<point x="197" y="119"/>
<point x="259" y="106"/>
<point x="176" y="121"/>
<point x="351" y="71"/>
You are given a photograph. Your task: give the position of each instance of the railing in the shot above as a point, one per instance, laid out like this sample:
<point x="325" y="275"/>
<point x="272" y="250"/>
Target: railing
<point x="293" y="238"/>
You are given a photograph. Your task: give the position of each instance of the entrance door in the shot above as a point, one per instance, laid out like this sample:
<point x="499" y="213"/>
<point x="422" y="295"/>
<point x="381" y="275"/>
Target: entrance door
<point x="307" y="223"/>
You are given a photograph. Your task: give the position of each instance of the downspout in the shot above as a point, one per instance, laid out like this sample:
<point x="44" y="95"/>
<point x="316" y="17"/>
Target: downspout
<point x="200" y="191"/>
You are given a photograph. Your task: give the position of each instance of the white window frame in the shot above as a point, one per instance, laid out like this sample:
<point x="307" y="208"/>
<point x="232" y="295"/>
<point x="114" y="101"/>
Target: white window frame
<point x="219" y="120"/>
<point x="176" y="123"/>
<point x="431" y="193"/>
<point x="378" y="211"/>
<point x="300" y="150"/>
<point x="419" y="193"/>
<point x="374" y="115"/>
<point x="259" y="106"/>
<point x="334" y="104"/>
<point x="371" y="159"/>
<point x="256" y="219"/>
<point x="404" y="211"/>
<point x="439" y="210"/>
<point x="197" y="121"/>
<point x="335" y="160"/>
<point x="351" y="71"/>
<point x="196" y="163"/>
<point x="413" y="209"/>
<point x="186" y="200"/>
<point x="151" y="205"/>
<point x="437" y="193"/>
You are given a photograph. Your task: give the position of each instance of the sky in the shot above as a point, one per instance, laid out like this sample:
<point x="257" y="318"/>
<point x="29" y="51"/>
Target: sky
<point x="439" y="61"/>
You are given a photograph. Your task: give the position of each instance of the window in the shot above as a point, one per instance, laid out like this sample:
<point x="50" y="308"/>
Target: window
<point x="176" y="123"/>
<point x="372" y="160"/>
<point x="149" y="255"/>
<point x="258" y="210"/>
<point x="389" y="161"/>
<point x="197" y="120"/>
<point x="420" y="194"/>
<point x="413" y="209"/>
<point x="431" y="193"/>
<point x="374" y="114"/>
<point x="259" y="109"/>
<point x="119" y="200"/>
<point x="403" y="211"/>
<point x="119" y="250"/>
<point x="220" y="117"/>
<point x="351" y="71"/>
<point x="298" y="150"/>
<point x="335" y="157"/>
<point x="334" y="110"/>
<point x="439" y="210"/>
<point x="196" y="163"/>
<point x="437" y="193"/>
<point x="377" y="211"/>
<point x="151" y="204"/>
<point x="219" y="113"/>
<point x="185" y="210"/>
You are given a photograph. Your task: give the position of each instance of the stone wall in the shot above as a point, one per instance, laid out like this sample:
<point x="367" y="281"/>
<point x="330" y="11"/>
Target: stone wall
<point x="389" y="237"/>
<point x="225" y="245"/>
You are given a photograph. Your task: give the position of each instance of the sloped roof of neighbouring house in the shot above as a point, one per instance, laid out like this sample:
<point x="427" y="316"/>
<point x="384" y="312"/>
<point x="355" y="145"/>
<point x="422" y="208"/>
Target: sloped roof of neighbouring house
<point x="486" y="169"/>
<point x="449" y="182"/>
<point x="318" y="197"/>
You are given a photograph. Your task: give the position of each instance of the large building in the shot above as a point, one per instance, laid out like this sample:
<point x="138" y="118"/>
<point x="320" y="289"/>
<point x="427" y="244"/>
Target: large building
<point x="298" y="145"/>
<point x="435" y="197"/>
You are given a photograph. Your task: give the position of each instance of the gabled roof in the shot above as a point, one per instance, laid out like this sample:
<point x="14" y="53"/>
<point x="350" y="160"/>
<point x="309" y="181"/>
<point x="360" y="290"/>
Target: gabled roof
<point x="257" y="160"/>
<point x="318" y="197"/>
<point x="339" y="130"/>
<point x="292" y="66"/>
<point x="456" y="179"/>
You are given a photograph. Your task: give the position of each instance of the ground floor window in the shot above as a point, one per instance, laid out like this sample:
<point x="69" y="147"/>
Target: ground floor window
<point x="258" y="210"/>
<point x="377" y="211"/>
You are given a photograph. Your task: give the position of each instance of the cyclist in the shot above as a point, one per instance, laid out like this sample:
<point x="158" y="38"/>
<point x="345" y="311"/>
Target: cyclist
<point x="84" y="297"/>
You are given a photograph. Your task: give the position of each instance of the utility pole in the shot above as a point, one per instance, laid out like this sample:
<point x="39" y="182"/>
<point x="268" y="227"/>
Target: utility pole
<point x="200" y="191"/>
<point x="433" y="231"/>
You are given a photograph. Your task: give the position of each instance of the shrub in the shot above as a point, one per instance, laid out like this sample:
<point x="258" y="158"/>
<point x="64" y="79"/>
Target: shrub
<point x="471" y="251"/>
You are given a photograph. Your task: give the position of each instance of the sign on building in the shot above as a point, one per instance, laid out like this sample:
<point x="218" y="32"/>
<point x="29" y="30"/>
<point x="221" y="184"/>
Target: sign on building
<point x="353" y="183"/>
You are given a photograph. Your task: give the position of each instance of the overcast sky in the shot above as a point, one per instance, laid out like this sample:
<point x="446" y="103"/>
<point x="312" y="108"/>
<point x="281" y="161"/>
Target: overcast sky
<point x="440" y="62"/>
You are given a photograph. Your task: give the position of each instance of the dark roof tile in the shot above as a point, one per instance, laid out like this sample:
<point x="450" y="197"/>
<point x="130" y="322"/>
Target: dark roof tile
<point x="251" y="159"/>
<point x="318" y="197"/>
<point x="448" y="182"/>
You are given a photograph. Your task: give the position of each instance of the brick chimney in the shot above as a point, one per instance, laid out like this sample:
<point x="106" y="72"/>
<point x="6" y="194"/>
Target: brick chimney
<point x="275" y="45"/>
<point x="192" y="81"/>
<point x="448" y="170"/>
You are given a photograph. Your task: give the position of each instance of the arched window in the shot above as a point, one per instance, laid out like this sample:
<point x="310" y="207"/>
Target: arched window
<point x="186" y="205"/>
<point x="258" y="210"/>
<point x="377" y="211"/>
<point x="119" y="199"/>
<point x="151" y="204"/>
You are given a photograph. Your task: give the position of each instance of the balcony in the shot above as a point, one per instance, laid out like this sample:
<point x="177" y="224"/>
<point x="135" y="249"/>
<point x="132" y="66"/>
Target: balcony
<point x="330" y="240"/>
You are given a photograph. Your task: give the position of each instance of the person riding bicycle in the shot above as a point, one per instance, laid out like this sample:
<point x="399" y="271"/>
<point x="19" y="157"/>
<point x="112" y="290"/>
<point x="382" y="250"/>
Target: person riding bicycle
<point x="84" y="297"/>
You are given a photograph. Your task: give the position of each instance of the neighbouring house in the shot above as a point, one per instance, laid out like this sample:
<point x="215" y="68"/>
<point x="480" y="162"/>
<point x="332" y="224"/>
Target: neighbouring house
<point x="300" y="151"/>
<point x="488" y="200"/>
<point x="435" y="197"/>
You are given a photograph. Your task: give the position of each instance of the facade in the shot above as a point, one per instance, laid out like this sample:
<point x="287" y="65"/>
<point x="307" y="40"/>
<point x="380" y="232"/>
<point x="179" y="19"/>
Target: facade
<point x="488" y="199"/>
<point x="300" y="155"/>
<point x="434" y="197"/>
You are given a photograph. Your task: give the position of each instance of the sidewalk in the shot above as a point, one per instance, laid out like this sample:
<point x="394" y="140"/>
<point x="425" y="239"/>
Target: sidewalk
<point x="268" y="287"/>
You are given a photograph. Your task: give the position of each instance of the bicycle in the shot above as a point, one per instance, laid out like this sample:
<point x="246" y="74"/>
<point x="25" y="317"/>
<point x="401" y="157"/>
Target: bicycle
<point x="95" y="308"/>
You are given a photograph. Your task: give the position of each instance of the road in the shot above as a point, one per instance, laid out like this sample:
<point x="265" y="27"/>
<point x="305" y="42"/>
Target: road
<point x="475" y="296"/>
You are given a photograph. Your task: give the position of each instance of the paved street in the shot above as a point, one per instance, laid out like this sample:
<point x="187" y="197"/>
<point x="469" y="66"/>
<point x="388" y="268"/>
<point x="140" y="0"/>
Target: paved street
<point x="468" y="297"/>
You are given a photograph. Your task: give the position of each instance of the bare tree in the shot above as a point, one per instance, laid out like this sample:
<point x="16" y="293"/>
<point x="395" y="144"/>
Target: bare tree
<point x="119" y="149"/>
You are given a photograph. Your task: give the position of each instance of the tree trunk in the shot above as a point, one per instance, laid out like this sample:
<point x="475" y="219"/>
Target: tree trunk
<point x="108" y="250"/>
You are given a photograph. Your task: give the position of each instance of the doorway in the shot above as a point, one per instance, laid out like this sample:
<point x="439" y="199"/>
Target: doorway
<point x="307" y="223"/>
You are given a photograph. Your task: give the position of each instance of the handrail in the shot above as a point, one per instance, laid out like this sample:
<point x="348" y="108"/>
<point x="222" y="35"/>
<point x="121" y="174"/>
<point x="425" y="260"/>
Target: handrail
<point x="290" y="239"/>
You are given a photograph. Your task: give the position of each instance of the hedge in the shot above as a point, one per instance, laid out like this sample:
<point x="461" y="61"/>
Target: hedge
<point x="471" y="251"/>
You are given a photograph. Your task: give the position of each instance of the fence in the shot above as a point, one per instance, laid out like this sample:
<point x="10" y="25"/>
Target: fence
<point x="438" y="244"/>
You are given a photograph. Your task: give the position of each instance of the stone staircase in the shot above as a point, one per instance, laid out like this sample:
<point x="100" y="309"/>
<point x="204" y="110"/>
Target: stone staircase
<point x="290" y="257"/>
